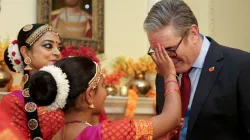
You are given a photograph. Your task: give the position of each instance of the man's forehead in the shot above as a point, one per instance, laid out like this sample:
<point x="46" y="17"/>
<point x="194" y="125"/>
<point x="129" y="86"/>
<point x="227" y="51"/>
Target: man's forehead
<point x="166" y="37"/>
<point x="166" y="34"/>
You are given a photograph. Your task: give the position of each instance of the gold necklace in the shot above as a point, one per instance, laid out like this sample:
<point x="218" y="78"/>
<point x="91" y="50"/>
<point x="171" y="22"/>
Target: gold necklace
<point x="74" y="121"/>
<point x="78" y="121"/>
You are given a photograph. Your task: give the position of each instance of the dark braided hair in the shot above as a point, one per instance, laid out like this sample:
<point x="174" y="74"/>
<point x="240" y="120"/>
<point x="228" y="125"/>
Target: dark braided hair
<point x="31" y="115"/>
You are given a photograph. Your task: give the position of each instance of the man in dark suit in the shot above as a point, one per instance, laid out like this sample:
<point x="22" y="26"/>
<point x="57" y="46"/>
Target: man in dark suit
<point x="214" y="79"/>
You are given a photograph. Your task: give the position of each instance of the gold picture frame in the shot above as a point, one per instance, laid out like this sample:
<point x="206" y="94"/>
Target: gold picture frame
<point x="96" y="41"/>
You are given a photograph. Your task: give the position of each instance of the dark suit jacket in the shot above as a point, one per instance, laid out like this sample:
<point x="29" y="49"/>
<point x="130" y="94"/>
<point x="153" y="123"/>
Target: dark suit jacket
<point x="221" y="104"/>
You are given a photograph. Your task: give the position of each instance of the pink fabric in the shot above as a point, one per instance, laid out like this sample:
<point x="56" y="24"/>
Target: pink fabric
<point x="91" y="133"/>
<point x="18" y="93"/>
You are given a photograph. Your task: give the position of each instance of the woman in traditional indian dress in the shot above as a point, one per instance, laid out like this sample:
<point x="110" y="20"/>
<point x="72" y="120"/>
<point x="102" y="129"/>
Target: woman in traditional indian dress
<point x="76" y="86"/>
<point x="37" y="45"/>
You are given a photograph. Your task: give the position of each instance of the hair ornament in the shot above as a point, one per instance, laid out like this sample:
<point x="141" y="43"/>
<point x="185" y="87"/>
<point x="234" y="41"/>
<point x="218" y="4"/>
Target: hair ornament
<point x="95" y="80"/>
<point x="27" y="28"/>
<point x="15" y="57"/>
<point x="62" y="84"/>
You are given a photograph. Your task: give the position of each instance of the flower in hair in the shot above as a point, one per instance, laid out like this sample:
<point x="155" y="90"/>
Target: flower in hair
<point x="14" y="42"/>
<point x="15" y="57"/>
<point x="62" y="84"/>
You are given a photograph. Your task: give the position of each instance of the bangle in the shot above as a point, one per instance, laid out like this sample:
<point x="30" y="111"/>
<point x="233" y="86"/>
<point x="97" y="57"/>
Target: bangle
<point x="171" y="81"/>
<point x="171" y="91"/>
<point x="170" y="74"/>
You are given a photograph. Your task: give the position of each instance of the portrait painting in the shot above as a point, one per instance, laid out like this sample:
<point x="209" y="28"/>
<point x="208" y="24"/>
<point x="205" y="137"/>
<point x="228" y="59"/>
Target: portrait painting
<point x="79" y="22"/>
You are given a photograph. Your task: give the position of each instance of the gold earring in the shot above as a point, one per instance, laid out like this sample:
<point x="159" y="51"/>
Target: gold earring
<point x="27" y="61"/>
<point x="91" y="106"/>
<point x="25" y="79"/>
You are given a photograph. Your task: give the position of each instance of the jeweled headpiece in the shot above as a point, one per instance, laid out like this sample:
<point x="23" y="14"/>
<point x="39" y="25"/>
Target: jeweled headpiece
<point x="95" y="80"/>
<point x="38" y="33"/>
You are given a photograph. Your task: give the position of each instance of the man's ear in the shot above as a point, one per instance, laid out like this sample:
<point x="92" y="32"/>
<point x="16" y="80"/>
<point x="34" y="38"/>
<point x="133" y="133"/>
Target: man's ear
<point x="194" y="33"/>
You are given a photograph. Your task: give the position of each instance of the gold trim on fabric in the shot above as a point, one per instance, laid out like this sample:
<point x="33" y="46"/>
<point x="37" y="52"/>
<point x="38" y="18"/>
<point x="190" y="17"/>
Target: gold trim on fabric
<point x="144" y="129"/>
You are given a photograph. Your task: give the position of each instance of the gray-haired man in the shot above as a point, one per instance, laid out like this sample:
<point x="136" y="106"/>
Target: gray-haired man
<point x="214" y="79"/>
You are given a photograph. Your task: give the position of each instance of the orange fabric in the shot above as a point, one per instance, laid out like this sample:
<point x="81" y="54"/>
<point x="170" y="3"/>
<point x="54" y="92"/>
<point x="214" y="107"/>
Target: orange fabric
<point x="50" y="121"/>
<point x="127" y="130"/>
<point x="7" y="131"/>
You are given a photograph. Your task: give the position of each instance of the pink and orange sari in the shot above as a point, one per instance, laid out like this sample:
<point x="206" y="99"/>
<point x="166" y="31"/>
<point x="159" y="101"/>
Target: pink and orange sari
<point x="119" y="130"/>
<point x="50" y="121"/>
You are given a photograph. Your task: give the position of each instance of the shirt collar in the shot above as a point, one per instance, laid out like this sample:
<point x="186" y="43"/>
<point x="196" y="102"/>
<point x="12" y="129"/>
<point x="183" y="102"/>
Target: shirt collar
<point x="203" y="52"/>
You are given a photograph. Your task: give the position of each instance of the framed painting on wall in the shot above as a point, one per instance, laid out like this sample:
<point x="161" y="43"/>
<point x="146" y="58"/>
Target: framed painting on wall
<point x="79" y="22"/>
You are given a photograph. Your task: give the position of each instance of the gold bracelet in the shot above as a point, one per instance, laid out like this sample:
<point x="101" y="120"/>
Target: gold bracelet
<point x="165" y="77"/>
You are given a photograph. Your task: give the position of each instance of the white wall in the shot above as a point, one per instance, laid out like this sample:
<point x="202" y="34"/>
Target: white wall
<point x="232" y="23"/>
<point x="227" y="21"/>
<point x="14" y="15"/>
<point x="202" y="12"/>
<point x="124" y="34"/>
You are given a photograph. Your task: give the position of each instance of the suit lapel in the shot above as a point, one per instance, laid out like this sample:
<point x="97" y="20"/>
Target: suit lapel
<point x="207" y="79"/>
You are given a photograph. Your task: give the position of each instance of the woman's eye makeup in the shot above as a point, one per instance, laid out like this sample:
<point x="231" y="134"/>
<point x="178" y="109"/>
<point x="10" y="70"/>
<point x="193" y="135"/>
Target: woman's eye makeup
<point x="49" y="46"/>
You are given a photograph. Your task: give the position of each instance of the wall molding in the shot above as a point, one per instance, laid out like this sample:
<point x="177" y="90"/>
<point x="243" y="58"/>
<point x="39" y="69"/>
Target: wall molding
<point x="210" y="17"/>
